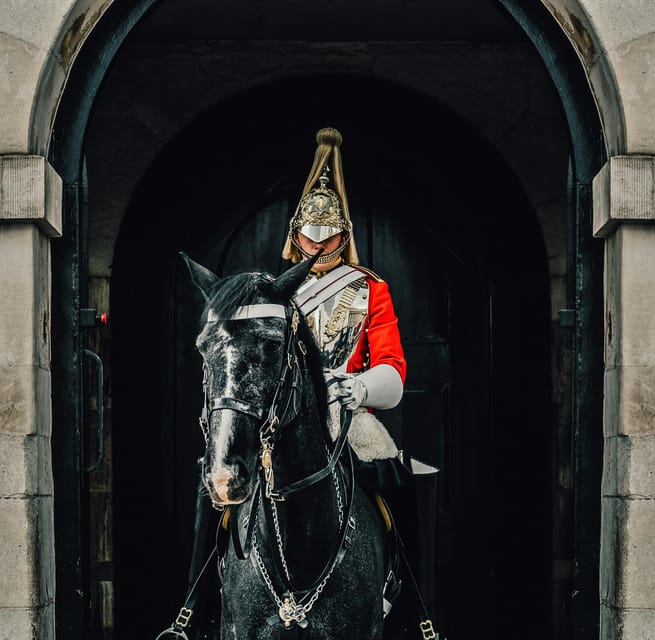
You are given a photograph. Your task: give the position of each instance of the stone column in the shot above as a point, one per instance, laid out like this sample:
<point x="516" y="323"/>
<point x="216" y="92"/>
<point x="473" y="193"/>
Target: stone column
<point x="624" y="214"/>
<point x="30" y="214"/>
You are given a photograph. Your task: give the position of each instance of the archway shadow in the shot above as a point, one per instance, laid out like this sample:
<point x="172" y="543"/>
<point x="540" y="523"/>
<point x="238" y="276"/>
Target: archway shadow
<point x="440" y="216"/>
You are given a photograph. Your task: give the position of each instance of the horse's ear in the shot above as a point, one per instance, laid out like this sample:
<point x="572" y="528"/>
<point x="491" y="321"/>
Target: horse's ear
<point x="202" y="278"/>
<point x="286" y="284"/>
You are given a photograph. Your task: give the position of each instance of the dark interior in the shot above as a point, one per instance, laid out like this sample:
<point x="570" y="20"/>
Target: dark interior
<point x="461" y="249"/>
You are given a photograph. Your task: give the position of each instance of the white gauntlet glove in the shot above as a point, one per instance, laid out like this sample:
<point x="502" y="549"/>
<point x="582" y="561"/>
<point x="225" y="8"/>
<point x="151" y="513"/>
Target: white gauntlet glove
<point x="349" y="391"/>
<point x="380" y="388"/>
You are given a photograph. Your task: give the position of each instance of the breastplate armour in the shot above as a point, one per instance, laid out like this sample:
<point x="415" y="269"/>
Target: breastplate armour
<point x="338" y="322"/>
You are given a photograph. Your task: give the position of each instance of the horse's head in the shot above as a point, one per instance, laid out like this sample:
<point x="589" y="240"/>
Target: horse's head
<point x="243" y="344"/>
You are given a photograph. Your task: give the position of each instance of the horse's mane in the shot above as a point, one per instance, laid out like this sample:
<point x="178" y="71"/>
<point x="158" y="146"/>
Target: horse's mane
<point x="246" y="288"/>
<point x="315" y="365"/>
<point x="236" y="291"/>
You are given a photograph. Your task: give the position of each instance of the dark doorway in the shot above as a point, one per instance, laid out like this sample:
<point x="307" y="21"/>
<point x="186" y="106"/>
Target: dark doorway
<point x="441" y="218"/>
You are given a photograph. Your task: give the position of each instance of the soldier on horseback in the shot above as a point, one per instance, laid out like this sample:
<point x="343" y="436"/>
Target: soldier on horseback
<point x="351" y="313"/>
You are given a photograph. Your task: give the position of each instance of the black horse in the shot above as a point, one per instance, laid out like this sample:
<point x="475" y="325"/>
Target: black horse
<point x="307" y="548"/>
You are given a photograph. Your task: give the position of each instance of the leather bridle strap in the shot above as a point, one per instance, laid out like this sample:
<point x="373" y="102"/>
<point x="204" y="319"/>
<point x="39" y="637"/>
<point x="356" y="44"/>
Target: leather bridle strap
<point x="346" y="421"/>
<point x="275" y="418"/>
<point x="243" y="551"/>
<point x="237" y="405"/>
<point x="342" y="542"/>
<point x="278" y="413"/>
<point x="249" y="312"/>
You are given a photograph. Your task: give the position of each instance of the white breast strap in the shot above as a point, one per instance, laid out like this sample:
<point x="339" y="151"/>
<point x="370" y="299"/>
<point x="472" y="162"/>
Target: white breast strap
<point x="253" y="311"/>
<point x="327" y="286"/>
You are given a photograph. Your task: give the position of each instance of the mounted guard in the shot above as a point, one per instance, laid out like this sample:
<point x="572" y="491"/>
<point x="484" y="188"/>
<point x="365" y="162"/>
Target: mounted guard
<point x="350" y="311"/>
<point x="294" y="368"/>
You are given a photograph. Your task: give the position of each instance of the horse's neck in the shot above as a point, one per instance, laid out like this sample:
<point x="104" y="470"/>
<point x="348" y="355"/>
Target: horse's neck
<point x="308" y="525"/>
<point x="301" y="452"/>
<point x="303" y="442"/>
<point x="309" y="519"/>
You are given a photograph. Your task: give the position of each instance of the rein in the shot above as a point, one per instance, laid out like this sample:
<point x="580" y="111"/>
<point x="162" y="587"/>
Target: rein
<point x="294" y="604"/>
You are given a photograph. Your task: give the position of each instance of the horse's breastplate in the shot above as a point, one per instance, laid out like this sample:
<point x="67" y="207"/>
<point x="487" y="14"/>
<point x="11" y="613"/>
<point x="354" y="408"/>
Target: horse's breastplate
<point x="338" y="322"/>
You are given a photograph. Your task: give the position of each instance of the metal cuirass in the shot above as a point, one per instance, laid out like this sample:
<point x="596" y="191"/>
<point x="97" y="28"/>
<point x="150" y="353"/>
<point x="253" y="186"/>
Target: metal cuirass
<point x="338" y="322"/>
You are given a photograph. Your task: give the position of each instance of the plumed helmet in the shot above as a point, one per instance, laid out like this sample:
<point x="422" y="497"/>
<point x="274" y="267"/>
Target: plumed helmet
<point x="323" y="212"/>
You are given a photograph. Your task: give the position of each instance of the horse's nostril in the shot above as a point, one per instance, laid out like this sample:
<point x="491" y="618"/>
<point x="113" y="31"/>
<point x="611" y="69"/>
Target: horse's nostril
<point x="238" y="482"/>
<point x="240" y="471"/>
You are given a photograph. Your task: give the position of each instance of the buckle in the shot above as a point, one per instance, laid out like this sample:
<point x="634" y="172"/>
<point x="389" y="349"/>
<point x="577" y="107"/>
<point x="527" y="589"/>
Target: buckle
<point x="427" y="630"/>
<point x="183" y="617"/>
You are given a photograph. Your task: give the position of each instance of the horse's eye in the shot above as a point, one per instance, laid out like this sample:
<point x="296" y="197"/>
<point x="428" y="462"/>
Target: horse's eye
<point x="270" y="347"/>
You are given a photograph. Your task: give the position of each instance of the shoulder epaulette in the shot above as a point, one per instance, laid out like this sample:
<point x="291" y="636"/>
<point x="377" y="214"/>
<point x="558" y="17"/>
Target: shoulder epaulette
<point x="369" y="272"/>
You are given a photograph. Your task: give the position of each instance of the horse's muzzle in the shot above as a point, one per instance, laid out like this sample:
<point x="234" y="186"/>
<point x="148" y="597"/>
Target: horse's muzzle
<point x="228" y="485"/>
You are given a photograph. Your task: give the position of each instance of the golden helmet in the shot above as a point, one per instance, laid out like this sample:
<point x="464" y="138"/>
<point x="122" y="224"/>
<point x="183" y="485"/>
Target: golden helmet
<point x="323" y="212"/>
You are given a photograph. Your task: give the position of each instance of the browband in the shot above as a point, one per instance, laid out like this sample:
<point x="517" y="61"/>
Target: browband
<point x="253" y="311"/>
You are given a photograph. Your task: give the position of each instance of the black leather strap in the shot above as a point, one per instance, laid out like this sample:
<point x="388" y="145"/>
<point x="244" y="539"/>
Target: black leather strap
<point x="237" y="405"/>
<point x="199" y="563"/>
<point x="346" y="421"/>
<point x="398" y="551"/>
<point x="243" y="551"/>
<point x="341" y="544"/>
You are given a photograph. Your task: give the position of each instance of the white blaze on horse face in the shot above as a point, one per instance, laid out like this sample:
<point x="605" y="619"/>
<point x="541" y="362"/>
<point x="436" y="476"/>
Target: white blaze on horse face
<point x="223" y="474"/>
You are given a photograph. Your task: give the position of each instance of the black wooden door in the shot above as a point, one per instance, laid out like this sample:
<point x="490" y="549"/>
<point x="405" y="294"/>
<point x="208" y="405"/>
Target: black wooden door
<point x="432" y="207"/>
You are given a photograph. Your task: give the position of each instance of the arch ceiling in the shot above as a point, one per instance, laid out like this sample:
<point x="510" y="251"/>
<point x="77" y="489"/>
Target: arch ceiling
<point x="607" y="40"/>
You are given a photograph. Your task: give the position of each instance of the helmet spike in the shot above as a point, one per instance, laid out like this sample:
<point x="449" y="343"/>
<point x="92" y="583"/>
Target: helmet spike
<point x="324" y="178"/>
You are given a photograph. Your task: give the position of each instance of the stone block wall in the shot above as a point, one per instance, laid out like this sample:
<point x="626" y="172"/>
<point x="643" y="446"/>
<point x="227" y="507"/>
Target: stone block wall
<point x="624" y="213"/>
<point x="30" y="213"/>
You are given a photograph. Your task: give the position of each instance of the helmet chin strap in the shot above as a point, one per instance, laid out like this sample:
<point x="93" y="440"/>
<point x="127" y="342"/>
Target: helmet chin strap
<point x="326" y="258"/>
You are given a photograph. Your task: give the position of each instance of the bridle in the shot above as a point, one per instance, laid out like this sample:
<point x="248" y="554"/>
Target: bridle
<point x="283" y="409"/>
<point x="285" y="396"/>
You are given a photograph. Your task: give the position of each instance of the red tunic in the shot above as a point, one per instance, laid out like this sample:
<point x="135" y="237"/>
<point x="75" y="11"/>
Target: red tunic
<point x="380" y="340"/>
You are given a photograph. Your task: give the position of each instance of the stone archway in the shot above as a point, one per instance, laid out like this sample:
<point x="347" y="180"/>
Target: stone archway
<point x="73" y="194"/>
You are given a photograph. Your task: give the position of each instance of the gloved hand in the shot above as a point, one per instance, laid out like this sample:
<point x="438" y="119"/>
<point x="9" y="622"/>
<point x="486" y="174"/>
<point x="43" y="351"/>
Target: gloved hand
<point x="349" y="390"/>
<point x="381" y="387"/>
